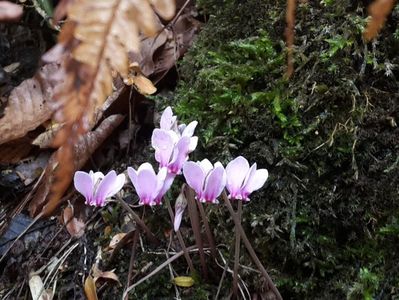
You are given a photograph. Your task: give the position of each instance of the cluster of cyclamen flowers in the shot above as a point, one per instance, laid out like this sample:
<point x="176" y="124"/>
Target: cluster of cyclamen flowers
<point x="173" y="143"/>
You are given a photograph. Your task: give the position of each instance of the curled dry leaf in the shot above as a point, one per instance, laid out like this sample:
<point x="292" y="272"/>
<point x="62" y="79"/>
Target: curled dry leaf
<point x="28" y="106"/>
<point x="75" y="227"/>
<point x="10" y="12"/>
<point x="107" y="275"/>
<point x="82" y="152"/>
<point x="90" y="288"/>
<point x="379" y="11"/>
<point x="142" y="84"/>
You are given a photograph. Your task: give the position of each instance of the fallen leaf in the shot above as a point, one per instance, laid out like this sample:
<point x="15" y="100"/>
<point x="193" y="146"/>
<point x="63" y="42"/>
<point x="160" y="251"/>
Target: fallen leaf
<point x="75" y="227"/>
<point x="183" y="281"/>
<point x="90" y="288"/>
<point x="28" y="105"/>
<point x="37" y="289"/>
<point x="108" y="275"/>
<point x="45" y="139"/>
<point x="14" y="151"/>
<point x="30" y="170"/>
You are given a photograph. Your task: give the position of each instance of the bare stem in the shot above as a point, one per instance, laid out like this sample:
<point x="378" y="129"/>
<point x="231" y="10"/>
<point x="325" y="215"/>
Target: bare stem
<point x="237" y="251"/>
<point x="180" y="238"/>
<point x="138" y="221"/>
<point x="195" y="224"/>
<point x="208" y="231"/>
<point x="248" y="245"/>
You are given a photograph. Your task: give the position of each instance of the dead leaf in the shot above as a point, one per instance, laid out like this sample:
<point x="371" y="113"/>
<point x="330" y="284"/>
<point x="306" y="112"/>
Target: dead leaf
<point x="37" y="289"/>
<point x="75" y="227"/>
<point x="379" y="11"/>
<point x="14" y="151"/>
<point x="45" y="139"/>
<point x="142" y="84"/>
<point x="94" y="43"/>
<point x="10" y="12"/>
<point x="31" y="169"/>
<point x="90" y="288"/>
<point x="28" y="105"/>
<point x="116" y="239"/>
<point x="183" y="281"/>
<point x="83" y="150"/>
<point x="108" y="275"/>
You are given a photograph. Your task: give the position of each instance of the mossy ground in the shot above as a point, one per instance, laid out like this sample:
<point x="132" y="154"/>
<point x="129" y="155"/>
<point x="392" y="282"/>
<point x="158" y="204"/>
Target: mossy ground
<point x="327" y="223"/>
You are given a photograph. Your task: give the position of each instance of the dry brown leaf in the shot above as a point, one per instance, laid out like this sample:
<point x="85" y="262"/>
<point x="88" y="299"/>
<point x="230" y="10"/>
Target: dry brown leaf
<point x="107" y="275"/>
<point x="379" y="11"/>
<point x="10" y="12"/>
<point x="90" y="288"/>
<point x="45" y="139"/>
<point x="115" y="240"/>
<point x="142" y="84"/>
<point x="13" y="151"/>
<point x="165" y="8"/>
<point x="82" y="152"/>
<point x="28" y="105"/>
<point x="75" y="227"/>
<point x="99" y="36"/>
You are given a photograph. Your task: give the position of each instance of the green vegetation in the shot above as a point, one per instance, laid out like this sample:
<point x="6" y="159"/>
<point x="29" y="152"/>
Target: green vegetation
<point x="326" y="226"/>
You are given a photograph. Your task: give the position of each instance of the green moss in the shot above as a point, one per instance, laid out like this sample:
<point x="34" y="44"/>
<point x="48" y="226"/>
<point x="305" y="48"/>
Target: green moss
<point x="331" y="205"/>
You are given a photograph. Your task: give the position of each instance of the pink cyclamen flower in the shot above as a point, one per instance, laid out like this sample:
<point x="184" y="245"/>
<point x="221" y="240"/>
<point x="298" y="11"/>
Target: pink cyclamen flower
<point x="173" y="143"/>
<point x="96" y="187"/>
<point x="242" y="180"/>
<point x="206" y="180"/>
<point x="172" y="151"/>
<point x="148" y="185"/>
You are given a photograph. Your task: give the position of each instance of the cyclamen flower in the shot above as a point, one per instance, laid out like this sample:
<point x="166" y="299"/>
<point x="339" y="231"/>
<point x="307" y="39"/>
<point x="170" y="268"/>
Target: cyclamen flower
<point x="148" y="185"/>
<point x="206" y="180"/>
<point x="180" y="206"/>
<point x="173" y="143"/>
<point x="242" y="180"/>
<point x="96" y="187"/>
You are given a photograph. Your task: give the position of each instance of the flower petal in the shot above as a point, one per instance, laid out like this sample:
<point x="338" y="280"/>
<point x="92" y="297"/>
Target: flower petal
<point x="117" y="186"/>
<point x="132" y="173"/>
<point x="83" y="183"/>
<point x="206" y="165"/>
<point x="236" y="171"/>
<point x="195" y="176"/>
<point x="97" y="176"/>
<point x="163" y="143"/>
<point x="180" y="155"/>
<point x="193" y="144"/>
<point x="146" y="184"/>
<point x="255" y="181"/>
<point x="190" y="128"/>
<point x="214" y="183"/>
<point x="167" y="119"/>
<point x="164" y="182"/>
<point x="104" y="188"/>
<point x="180" y="206"/>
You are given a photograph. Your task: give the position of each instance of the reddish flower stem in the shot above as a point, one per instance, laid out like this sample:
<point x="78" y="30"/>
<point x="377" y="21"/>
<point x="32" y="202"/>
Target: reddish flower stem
<point x="248" y="245"/>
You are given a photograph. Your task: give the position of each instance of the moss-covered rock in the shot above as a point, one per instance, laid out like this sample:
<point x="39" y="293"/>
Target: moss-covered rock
<point x="327" y="224"/>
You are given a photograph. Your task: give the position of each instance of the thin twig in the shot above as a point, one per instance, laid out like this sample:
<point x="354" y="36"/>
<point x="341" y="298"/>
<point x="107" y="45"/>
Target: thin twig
<point x="237" y="251"/>
<point x="195" y="224"/>
<point x="132" y="257"/>
<point x="249" y="247"/>
<point x="180" y="238"/>
<point x="159" y="268"/>
<point x="208" y="231"/>
<point x="137" y="219"/>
